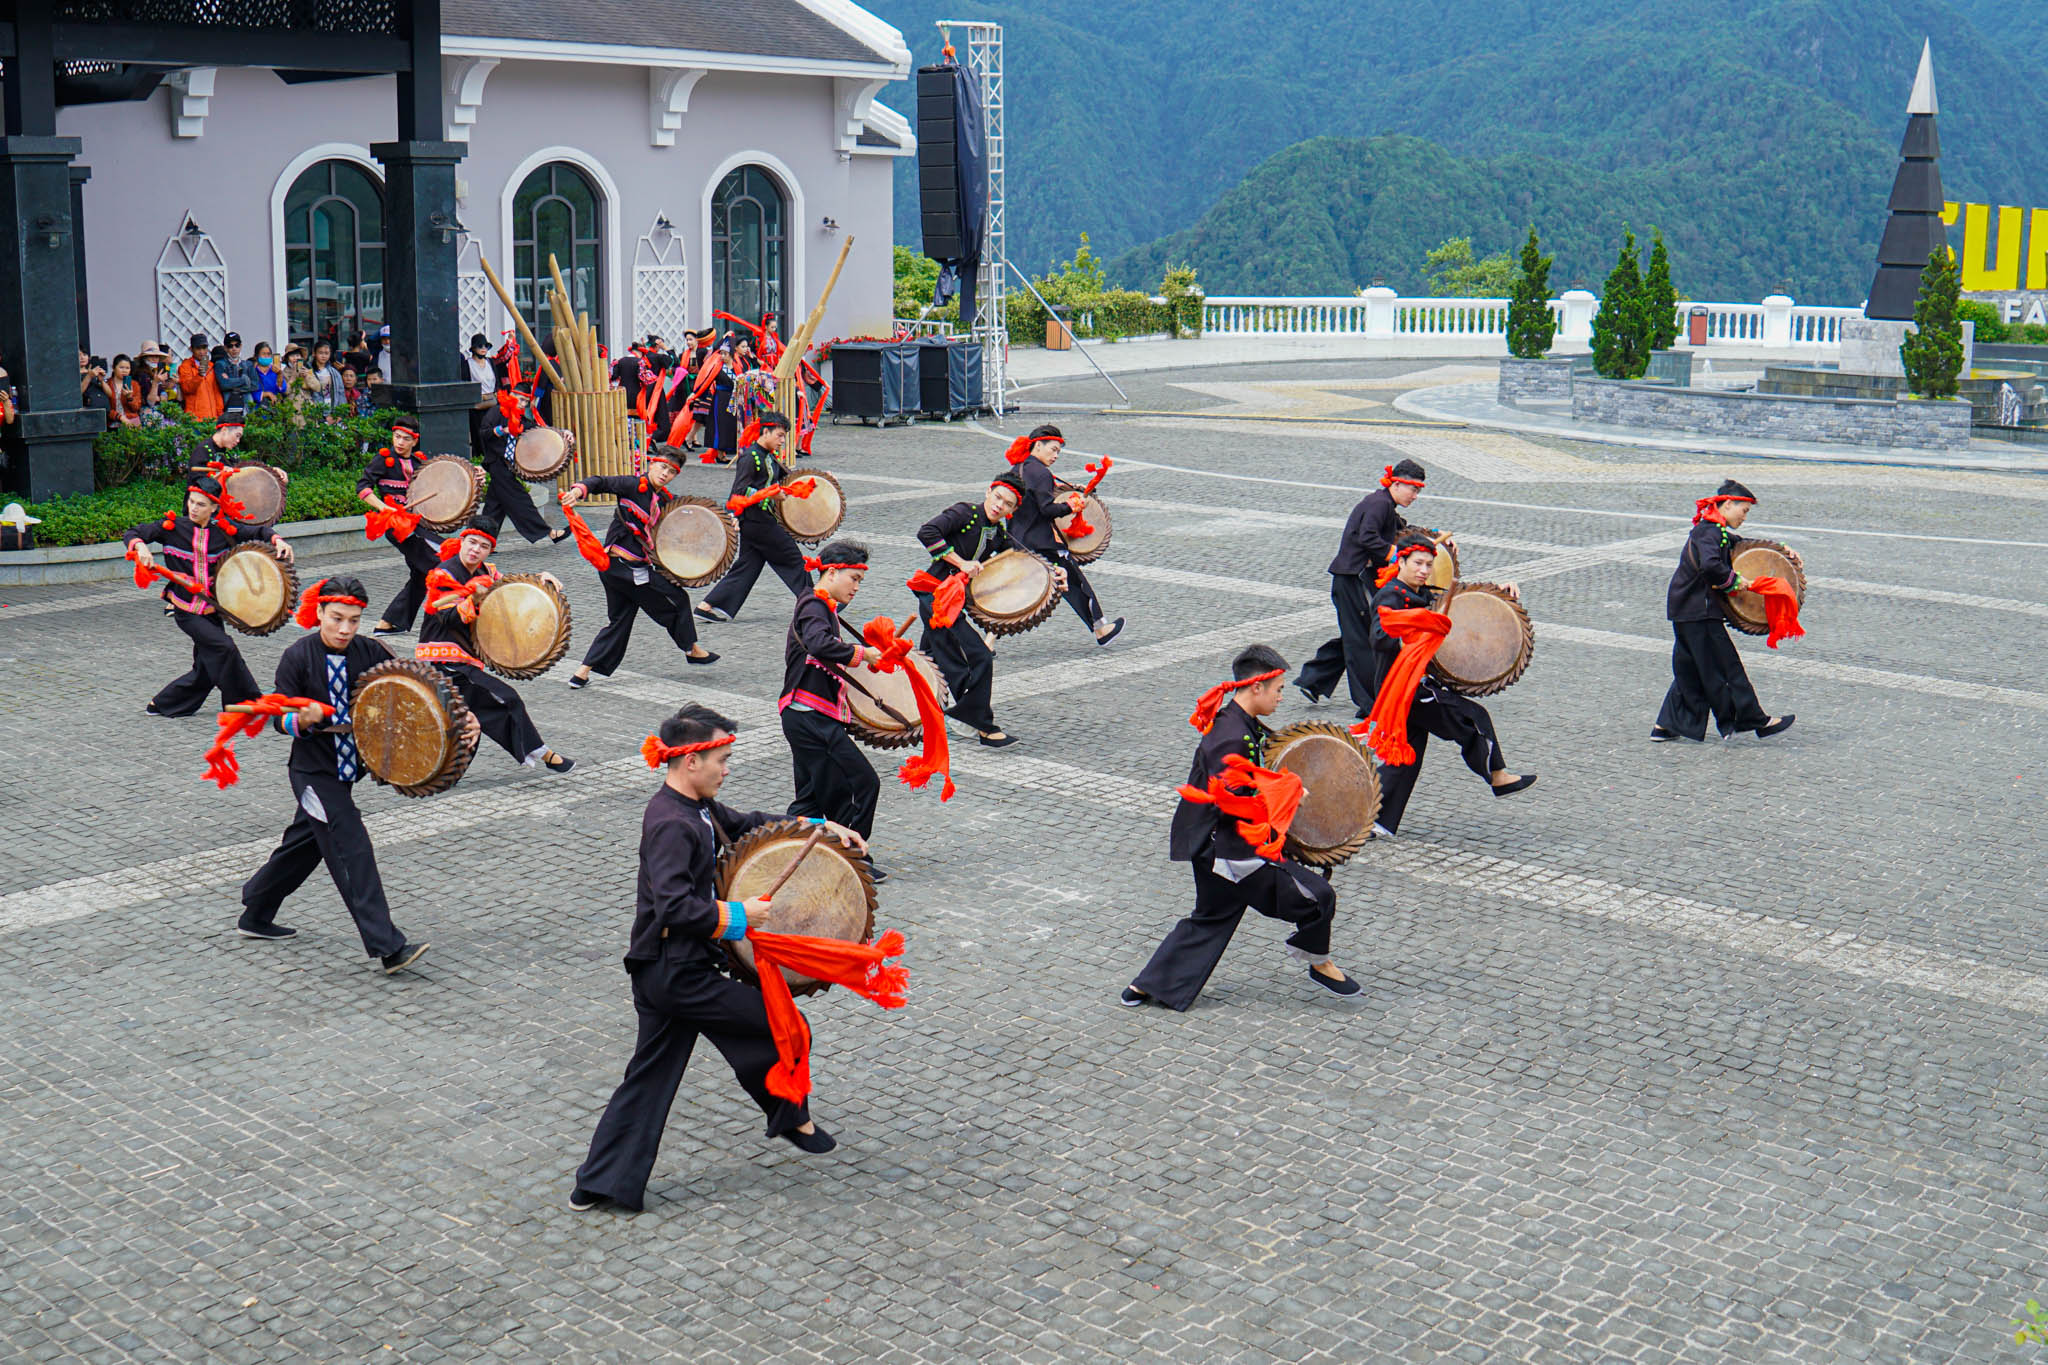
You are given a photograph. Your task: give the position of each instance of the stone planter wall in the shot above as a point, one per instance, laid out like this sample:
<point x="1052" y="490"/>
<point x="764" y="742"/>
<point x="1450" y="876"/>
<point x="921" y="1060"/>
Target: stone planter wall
<point x="1907" y="423"/>
<point x="1534" y="381"/>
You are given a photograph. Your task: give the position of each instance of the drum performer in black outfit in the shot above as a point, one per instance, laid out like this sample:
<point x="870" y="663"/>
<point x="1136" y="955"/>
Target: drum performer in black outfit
<point x="1370" y="532"/>
<point x="506" y="497"/>
<point x="447" y="643"/>
<point x="1042" y="512"/>
<point x="833" y="778"/>
<point x="1436" y="710"/>
<point x="384" y="484"/>
<point x="1230" y="875"/>
<point x="194" y="545"/>
<point x="680" y="984"/>
<point x="1707" y="675"/>
<point x="632" y="584"/>
<point x="763" y="539"/>
<point x="324" y="768"/>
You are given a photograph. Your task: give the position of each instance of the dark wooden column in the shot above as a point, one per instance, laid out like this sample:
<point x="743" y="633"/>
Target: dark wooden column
<point x="49" y="448"/>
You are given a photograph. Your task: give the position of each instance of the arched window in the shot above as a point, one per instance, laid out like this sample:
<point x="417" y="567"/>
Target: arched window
<point x="556" y="212"/>
<point x="750" y="246"/>
<point x="333" y="253"/>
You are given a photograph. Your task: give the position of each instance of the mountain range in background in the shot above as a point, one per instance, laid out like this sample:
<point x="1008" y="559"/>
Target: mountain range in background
<point x="1312" y="147"/>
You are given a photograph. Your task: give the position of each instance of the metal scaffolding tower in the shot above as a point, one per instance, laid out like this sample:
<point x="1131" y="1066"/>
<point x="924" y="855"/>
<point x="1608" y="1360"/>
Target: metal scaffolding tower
<point x="991" y="319"/>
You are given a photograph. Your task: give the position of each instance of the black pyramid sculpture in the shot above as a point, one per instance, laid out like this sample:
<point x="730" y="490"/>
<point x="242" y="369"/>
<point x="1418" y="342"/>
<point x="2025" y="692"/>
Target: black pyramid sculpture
<point x="1914" y="229"/>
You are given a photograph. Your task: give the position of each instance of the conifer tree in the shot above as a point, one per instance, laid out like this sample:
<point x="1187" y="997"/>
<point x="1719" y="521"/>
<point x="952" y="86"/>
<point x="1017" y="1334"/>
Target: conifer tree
<point x="1660" y="296"/>
<point x="1531" y="324"/>
<point x="1933" y="354"/>
<point x="1621" y="340"/>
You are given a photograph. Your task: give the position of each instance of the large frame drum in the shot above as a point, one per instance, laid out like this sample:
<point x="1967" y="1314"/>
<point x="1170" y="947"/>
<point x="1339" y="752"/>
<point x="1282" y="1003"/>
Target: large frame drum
<point x="812" y="520"/>
<point x="695" y="541"/>
<point x="444" y="492"/>
<point x="522" y="627"/>
<point x="1091" y="547"/>
<point x="255" y="589"/>
<point x="1490" y="644"/>
<point x="1014" y="591"/>
<point x="875" y="727"/>
<point x="412" y="729"/>
<point x="1340" y="790"/>
<point x="260" y="490"/>
<point x="1757" y="559"/>
<point x="1443" y="574"/>
<point x="540" y="453"/>
<point x="830" y="896"/>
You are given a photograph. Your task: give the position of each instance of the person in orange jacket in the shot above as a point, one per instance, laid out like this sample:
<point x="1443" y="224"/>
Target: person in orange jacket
<point x="198" y="386"/>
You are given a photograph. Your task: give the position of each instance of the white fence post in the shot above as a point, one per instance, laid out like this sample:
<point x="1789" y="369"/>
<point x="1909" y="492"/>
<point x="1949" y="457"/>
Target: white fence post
<point x="1777" y="320"/>
<point x="1379" y="311"/>
<point x="1577" y="323"/>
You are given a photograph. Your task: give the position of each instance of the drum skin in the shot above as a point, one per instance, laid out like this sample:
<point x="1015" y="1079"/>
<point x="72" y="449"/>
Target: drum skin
<point x="1091" y="547"/>
<point x="1443" y="574"/>
<point x="873" y="726"/>
<point x="411" y="728"/>
<point x="1013" y="592"/>
<point x="813" y="519"/>
<point x="1340" y="791"/>
<point x="522" y="627"/>
<point x="260" y="490"/>
<point x="540" y="453"/>
<point x="1759" y="559"/>
<point x="444" y="492"/>
<point x="254" y="589"/>
<point x="695" y="541"/>
<point x="831" y="895"/>
<point x="1490" y="644"/>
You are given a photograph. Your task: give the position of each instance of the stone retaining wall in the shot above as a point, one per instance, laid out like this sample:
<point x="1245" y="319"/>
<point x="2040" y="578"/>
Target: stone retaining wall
<point x="1535" y="381"/>
<point x="1909" y="423"/>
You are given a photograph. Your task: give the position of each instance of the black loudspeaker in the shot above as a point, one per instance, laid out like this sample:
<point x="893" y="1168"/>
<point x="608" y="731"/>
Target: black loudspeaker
<point x="857" y="381"/>
<point x="938" y="164"/>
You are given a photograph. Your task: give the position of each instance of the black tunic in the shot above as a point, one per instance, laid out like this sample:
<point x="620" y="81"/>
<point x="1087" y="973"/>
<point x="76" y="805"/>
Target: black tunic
<point x="302" y="672"/>
<point x="1704" y="573"/>
<point x="675" y="890"/>
<point x="1197" y="831"/>
<point x="1369" y="534"/>
<point x="753" y="470"/>
<point x="963" y="529"/>
<point x="814" y="636"/>
<point x="1034" y="526"/>
<point x="388" y="475"/>
<point x="446" y="625"/>
<point x="195" y="551"/>
<point x="640" y="505"/>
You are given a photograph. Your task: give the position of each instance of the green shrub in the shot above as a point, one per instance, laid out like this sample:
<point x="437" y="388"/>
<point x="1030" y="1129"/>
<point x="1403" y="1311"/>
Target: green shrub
<point x="916" y="276"/>
<point x="98" y="518"/>
<point x="1183" y="301"/>
<point x="1991" y="328"/>
<point x="290" y="437"/>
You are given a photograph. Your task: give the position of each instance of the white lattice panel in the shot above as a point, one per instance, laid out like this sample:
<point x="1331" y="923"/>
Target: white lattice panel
<point x="191" y="288"/>
<point x="472" y="304"/>
<point x="661" y="301"/>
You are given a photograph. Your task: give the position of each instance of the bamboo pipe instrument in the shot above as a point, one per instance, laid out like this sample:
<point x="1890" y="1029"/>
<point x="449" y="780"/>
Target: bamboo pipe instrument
<point x="793" y="353"/>
<point x="547" y="366"/>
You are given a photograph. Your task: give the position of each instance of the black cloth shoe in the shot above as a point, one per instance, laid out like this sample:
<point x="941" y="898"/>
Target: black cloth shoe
<point x="876" y="874"/>
<point x="1522" y="783"/>
<point x="404" y="957"/>
<point x="583" y="1201"/>
<point x="999" y="740"/>
<point x="149" y="709"/>
<point x="555" y="763"/>
<point x="816" y="1142"/>
<point x="578" y="682"/>
<point x="557" y="537"/>
<point x="712" y="614"/>
<point x="248" y="928"/>
<point x="1780" y="724"/>
<point x="706" y="658"/>
<point x="1347" y="988"/>
<point x="1311" y="698"/>
<point x="1132" y="998"/>
<point x="1659" y="735"/>
<point x="381" y="629"/>
<point x="1116" y="629"/>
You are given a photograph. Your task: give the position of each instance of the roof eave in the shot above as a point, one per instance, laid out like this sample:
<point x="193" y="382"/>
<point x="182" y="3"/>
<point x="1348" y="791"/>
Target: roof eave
<point x="619" y="54"/>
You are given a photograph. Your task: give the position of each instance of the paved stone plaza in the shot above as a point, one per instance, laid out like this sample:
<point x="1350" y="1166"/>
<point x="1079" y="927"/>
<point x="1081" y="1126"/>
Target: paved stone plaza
<point x="1702" y="1053"/>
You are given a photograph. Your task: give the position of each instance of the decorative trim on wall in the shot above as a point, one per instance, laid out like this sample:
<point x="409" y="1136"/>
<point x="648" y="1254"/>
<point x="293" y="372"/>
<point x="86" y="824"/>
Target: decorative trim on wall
<point x="191" y="96"/>
<point x="465" y="81"/>
<point x="661" y="296"/>
<point x="893" y="126"/>
<point x="852" y="98"/>
<point x="191" y="287"/>
<point x="668" y="97"/>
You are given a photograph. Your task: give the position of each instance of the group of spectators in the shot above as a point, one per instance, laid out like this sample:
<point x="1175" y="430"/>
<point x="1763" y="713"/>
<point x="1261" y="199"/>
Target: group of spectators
<point x="133" y="390"/>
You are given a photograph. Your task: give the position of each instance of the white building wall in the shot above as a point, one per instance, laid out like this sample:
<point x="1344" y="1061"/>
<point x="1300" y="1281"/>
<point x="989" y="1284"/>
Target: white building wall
<point x="259" y="132"/>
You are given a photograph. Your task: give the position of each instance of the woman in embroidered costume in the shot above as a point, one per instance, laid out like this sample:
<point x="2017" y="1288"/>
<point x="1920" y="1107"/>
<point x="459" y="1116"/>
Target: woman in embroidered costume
<point x="1231" y="825"/>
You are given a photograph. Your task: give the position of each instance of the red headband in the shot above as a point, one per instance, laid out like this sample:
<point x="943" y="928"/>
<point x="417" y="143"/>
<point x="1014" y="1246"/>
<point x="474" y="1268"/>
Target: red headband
<point x="1212" y="700"/>
<point x="656" y="753"/>
<point x="1390" y="478"/>
<point x="229" y="510"/>
<point x="313" y="599"/>
<point x="1020" y="449"/>
<point x="453" y="545"/>
<point x="1709" y="509"/>
<point x="1418" y="547"/>
<point x="819" y="566"/>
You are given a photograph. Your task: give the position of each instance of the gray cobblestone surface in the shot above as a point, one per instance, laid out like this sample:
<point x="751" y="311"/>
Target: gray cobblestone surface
<point x="1692" y="1053"/>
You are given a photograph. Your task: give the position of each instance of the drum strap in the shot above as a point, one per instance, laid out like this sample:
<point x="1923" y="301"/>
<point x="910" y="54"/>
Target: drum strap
<point x="445" y="652"/>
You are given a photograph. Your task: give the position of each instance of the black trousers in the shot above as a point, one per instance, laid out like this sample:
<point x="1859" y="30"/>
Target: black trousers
<point x="1349" y="656"/>
<point x="215" y="663"/>
<point x="667" y="605"/>
<point x="966" y="662"/>
<point x="833" y="777"/>
<point x="343" y="844"/>
<point x="762" y="541"/>
<point x="1707" y="676"/>
<point x="500" y="710"/>
<point x="417" y="550"/>
<point x="1285" y="890"/>
<point x="1447" y="715"/>
<point x="677" y="998"/>
<point x="1080" y="592"/>
<point x="506" y="497"/>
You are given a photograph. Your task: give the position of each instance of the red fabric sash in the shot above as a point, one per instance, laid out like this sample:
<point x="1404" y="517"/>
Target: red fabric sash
<point x="183" y="582"/>
<point x="856" y="966"/>
<point x="587" y="542"/>
<point x="396" y="521"/>
<point x="222" y="768"/>
<point x="795" y="488"/>
<point x="442" y="587"/>
<point x="1781" y="608"/>
<point x="1098" y="470"/>
<point x="936" y="757"/>
<point x="1421" y="632"/>
<point x="508" y="409"/>
<point x="1262" y="801"/>
<point x="1080" y="525"/>
<point x="949" y="595"/>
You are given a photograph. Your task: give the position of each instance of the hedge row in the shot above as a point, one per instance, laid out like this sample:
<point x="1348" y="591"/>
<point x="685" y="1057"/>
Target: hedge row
<point x="292" y="438"/>
<point x="99" y="518"/>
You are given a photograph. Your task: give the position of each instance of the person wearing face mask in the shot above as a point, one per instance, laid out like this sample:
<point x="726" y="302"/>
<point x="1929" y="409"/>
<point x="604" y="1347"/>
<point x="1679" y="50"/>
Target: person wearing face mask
<point x="269" y="376"/>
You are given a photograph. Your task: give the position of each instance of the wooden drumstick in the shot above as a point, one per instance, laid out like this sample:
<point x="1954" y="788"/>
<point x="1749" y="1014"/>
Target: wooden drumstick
<point x="519" y="320"/>
<point x="794" y="863"/>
